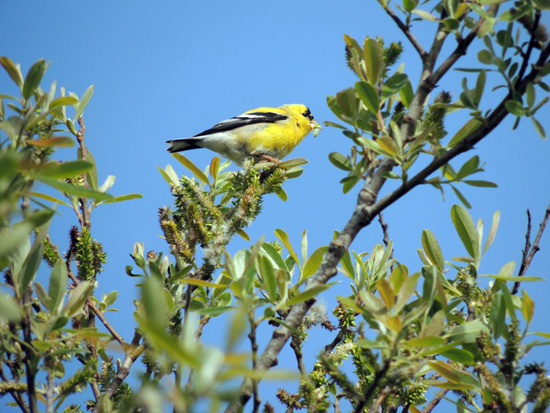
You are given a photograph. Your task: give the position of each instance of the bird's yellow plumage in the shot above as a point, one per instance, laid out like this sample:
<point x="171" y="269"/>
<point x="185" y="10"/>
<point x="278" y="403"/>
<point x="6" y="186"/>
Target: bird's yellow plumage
<point x="263" y="133"/>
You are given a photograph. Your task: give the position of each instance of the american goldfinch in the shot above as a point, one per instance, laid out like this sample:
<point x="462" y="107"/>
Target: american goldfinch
<point x="263" y="134"/>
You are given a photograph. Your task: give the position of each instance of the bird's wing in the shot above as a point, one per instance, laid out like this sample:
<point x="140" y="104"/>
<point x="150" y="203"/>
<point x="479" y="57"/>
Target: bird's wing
<point x="248" y="118"/>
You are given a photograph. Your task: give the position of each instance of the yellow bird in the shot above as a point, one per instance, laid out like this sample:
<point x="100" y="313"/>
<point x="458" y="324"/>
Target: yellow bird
<point x="263" y="134"/>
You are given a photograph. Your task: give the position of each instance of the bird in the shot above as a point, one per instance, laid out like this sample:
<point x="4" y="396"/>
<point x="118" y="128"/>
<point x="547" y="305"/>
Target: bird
<point x="264" y="134"/>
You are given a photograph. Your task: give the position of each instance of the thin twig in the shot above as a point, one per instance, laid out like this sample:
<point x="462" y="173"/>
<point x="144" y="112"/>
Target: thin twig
<point x="435" y="401"/>
<point x="530" y="251"/>
<point x="460" y="50"/>
<point x="407" y="32"/>
<point x="372" y="387"/>
<point x="100" y="315"/>
<point x="296" y="345"/>
<point x="254" y="346"/>
<point x="386" y="391"/>
<point x="133" y="352"/>
<point x="386" y="238"/>
<point x="30" y="367"/>
<point x="525" y="252"/>
<point x="84" y="152"/>
<point x="530" y="47"/>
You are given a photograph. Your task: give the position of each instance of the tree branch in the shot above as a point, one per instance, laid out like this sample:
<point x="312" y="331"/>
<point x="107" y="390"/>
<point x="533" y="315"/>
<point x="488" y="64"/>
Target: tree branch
<point x="386" y="238"/>
<point x="460" y="50"/>
<point x="530" y="47"/>
<point x="435" y="401"/>
<point x="530" y="251"/>
<point x="296" y="345"/>
<point x="133" y="352"/>
<point x="407" y="32"/>
<point x="85" y="217"/>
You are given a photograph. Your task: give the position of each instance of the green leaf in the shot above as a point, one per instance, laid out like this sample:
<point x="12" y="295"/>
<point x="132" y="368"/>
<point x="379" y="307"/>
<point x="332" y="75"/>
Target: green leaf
<point x="480" y="184"/>
<point x="485" y="57"/>
<point x="531" y="95"/>
<point x="451" y="24"/>
<point x="123" y="198"/>
<point x="368" y="95"/>
<point x="71" y="189"/>
<point x="9" y="308"/>
<point x="470" y="167"/>
<point x="154" y="302"/>
<point x="59" y="142"/>
<point x="459" y="355"/>
<point x="281" y="194"/>
<point x="283" y="236"/>
<point x="407" y="94"/>
<point x="433" y="250"/>
<point x="162" y="341"/>
<point x="486" y="27"/>
<point x="111" y="298"/>
<point x="453" y="374"/>
<point x="80" y="106"/>
<point x="13" y="239"/>
<point x="67" y="169"/>
<point x="169" y="177"/>
<point x="515" y="107"/>
<point x="542" y="4"/>
<point x="426" y="341"/>
<point x="492" y="231"/>
<point x="349" y="182"/>
<point x="33" y="78"/>
<point x="12" y="70"/>
<point x="30" y="266"/>
<point x="373" y="55"/>
<point x="466" y="230"/>
<point x="314" y="261"/>
<point x="307" y="294"/>
<point x="406" y="291"/>
<point x="48" y="198"/>
<point x="191" y="166"/>
<point x="497" y="316"/>
<point x="394" y="84"/>
<point x="461" y="197"/>
<point x="468" y="331"/>
<point x="464" y="132"/>
<point x="538" y="127"/>
<point x="62" y="101"/>
<point x="409" y="5"/>
<point x="514" y="278"/>
<point x="91" y="176"/>
<point x="268" y="274"/>
<point x="77" y="298"/>
<point x="214" y="167"/>
<point x="58" y="286"/>
<point x="340" y="161"/>
<point x="348" y="103"/>
<point x="425" y="15"/>
<point x="275" y="256"/>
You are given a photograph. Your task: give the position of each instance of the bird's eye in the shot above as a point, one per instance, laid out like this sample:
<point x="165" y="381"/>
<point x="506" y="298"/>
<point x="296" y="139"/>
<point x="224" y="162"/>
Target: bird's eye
<point x="308" y="114"/>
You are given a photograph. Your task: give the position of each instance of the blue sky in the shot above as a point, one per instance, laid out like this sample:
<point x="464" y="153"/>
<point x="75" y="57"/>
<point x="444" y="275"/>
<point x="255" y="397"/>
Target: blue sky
<point x="171" y="69"/>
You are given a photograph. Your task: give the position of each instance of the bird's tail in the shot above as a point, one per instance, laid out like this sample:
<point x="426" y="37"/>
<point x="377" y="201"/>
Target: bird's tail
<point x="184" y="144"/>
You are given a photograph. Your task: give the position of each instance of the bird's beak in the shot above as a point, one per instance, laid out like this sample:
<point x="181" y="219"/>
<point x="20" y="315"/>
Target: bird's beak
<point x="315" y="127"/>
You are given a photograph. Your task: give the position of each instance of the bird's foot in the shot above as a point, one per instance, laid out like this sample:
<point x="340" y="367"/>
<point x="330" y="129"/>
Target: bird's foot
<point x="270" y="159"/>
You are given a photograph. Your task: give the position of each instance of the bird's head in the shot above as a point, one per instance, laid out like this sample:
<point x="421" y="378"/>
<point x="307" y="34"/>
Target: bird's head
<point x="303" y="111"/>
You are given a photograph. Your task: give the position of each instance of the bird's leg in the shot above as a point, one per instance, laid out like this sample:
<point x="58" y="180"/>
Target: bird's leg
<point x="270" y="159"/>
